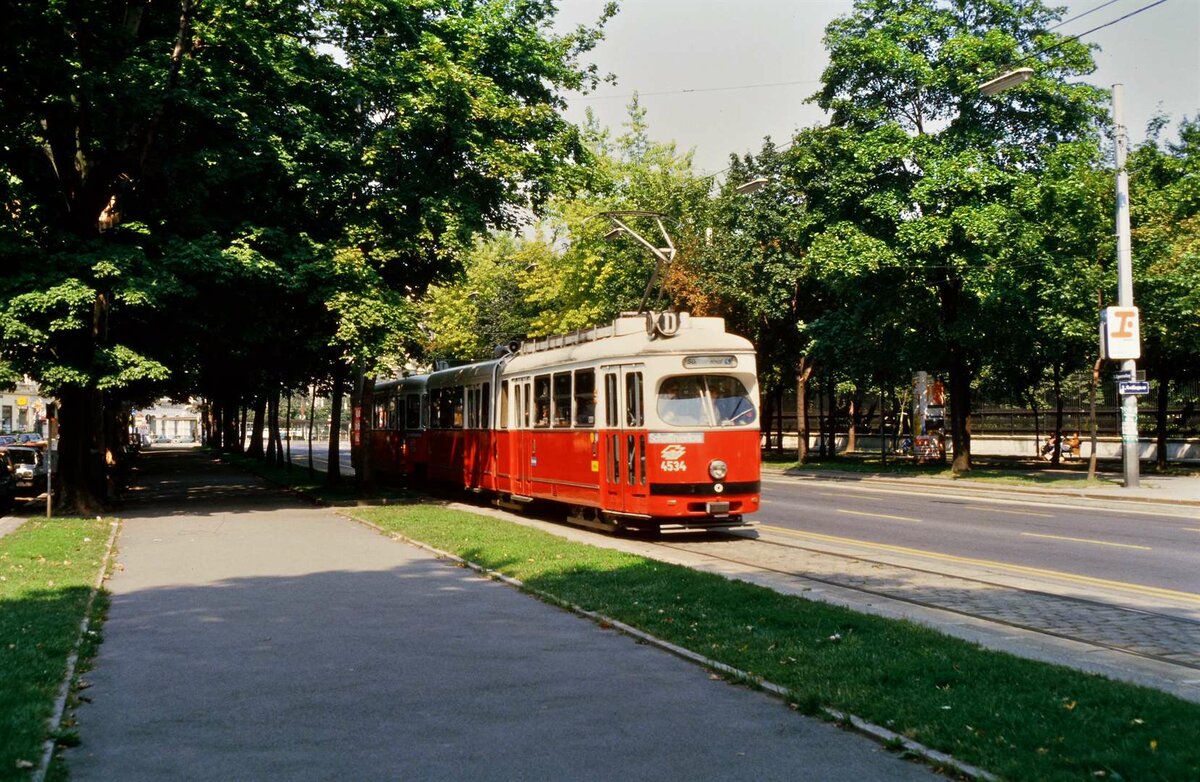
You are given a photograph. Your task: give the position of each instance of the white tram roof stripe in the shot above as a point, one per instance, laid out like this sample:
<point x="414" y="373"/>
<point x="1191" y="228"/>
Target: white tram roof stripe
<point x="624" y="339"/>
<point x="627" y="338"/>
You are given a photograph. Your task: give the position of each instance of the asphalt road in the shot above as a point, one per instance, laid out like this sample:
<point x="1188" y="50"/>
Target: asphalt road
<point x="320" y="456"/>
<point x="1043" y="538"/>
<point x="1147" y="548"/>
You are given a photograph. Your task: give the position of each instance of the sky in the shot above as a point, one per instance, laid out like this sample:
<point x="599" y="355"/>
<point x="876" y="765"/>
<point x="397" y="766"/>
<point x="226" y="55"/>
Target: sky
<point x="716" y="76"/>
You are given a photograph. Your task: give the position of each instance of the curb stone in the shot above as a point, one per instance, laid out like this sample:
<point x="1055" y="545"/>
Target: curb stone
<point x="978" y="487"/>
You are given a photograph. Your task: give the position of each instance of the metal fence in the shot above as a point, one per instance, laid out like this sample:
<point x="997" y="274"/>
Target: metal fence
<point x="1183" y="412"/>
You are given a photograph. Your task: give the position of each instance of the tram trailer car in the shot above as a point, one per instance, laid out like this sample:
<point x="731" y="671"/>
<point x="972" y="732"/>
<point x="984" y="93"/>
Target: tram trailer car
<point x="397" y="435"/>
<point x="649" y="423"/>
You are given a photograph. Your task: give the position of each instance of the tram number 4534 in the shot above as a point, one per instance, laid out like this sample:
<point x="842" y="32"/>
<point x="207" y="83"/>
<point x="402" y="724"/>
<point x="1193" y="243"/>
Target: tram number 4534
<point x="672" y="459"/>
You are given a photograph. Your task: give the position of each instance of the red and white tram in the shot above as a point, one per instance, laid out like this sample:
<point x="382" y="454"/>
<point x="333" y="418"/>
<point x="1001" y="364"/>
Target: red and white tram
<point x="648" y="423"/>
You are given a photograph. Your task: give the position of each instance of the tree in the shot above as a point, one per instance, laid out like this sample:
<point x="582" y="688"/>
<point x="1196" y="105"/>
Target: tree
<point x="566" y="276"/>
<point x="169" y="174"/>
<point x="945" y="203"/>
<point x="1165" y="206"/>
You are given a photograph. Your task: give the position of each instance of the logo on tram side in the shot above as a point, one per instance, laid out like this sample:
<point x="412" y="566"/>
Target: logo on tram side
<point x="672" y="459"/>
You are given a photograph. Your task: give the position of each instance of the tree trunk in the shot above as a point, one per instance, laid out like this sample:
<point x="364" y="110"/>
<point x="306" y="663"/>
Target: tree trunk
<point x="333" y="473"/>
<point x="287" y="458"/>
<point x="1160" y="423"/>
<point x="950" y="294"/>
<point x="882" y="433"/>
<point x="779" y="417"/>
<point x="229" y="427"/>
<point x="803" y="373"/>
<point x="820" y="422"/>
<point x="1058" y="414"/>
<point x="765" y="423"/>
<point x="255" y="448"/>
<point x="214" y="424"/>
<point x="852" y="433"/>
<point x="312" y="415"/>
<point x="960" y="410"/>
<point x="274" y="442"/>
<point x="79" y="483"/>
<point x="364" y="477"/>
<point x="831" y="388"/>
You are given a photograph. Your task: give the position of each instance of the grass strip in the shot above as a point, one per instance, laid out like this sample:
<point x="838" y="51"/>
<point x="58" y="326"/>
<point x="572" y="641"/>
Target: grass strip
<point x="1017" y="718"/>
<point x="47" y="569"/>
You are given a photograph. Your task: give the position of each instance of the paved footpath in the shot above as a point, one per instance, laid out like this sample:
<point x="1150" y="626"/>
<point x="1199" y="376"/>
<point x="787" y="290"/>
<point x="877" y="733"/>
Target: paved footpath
<point x="254" y="637"/>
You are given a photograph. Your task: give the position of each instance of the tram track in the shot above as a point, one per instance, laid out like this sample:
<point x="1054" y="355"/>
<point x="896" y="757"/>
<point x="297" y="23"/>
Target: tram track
<point x="1134" y="630"/>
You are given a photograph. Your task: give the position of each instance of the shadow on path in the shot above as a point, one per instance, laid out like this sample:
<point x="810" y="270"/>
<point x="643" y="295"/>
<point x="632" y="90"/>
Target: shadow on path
<point x="191" y="482"/>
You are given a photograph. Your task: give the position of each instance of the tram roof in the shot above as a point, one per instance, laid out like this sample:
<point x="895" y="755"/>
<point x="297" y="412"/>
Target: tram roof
<point x="464" y="375"/>
<point x="414" y="382"/>
<point x="627" y="337"/>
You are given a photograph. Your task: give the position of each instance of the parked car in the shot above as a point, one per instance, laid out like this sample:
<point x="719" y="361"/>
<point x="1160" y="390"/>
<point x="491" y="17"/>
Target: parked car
<point x="7" y="439"/>
<point x="8" y="485"/>
<point x="28" y="466"/>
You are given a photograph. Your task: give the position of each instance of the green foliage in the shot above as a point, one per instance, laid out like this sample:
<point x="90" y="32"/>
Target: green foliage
<point x="566" y="276"/>
<point x="218" y="198"/>
<point x="1165" y="204"/>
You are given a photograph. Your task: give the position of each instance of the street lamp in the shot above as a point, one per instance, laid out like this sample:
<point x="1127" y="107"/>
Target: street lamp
<point x="1129" y="411"/>
<point x="1006" y="81"/>
<point x="753" y="186"/>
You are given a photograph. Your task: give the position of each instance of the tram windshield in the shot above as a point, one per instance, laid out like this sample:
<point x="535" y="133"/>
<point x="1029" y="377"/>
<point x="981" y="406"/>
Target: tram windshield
<point x="705" y="400"/>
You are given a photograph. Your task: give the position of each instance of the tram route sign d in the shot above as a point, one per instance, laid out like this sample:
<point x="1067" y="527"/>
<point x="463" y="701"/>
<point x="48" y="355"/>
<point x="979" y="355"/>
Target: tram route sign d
<point x="1120" y="336"/>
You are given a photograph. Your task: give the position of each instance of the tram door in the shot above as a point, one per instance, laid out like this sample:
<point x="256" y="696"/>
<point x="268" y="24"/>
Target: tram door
<point x="624" y="451"/>
<point x="522" y="440"/>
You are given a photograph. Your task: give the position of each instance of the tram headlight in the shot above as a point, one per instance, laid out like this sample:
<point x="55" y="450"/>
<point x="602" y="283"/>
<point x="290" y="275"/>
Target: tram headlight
<point x="718" y="469"/>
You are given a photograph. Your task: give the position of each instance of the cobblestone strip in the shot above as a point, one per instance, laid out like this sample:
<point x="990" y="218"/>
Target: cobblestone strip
<point x="1173" y="639"/>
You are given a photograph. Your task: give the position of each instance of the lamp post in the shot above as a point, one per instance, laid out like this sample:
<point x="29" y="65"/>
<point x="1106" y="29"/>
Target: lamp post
<point x="1129" y="411"/>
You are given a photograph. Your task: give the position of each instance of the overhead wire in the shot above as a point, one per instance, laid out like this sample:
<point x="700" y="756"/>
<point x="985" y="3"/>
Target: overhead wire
<point x="1077" y="36"/>
<point x="698" y="90"/>
<point x="1080" y="16"/>
<point x="1043" y="50"/>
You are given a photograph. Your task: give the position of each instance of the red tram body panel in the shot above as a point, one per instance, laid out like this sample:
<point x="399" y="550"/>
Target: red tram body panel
<point x="648" y="423"/>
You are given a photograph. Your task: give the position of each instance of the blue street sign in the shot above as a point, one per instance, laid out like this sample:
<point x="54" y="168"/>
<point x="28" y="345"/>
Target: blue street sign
<point x="1133" y="387"/>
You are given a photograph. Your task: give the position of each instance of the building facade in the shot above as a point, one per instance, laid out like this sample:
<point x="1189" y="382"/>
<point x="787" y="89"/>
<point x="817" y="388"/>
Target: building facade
<point x="23" y="409"/>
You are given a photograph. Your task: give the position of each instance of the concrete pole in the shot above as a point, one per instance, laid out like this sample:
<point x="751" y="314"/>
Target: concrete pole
<point x="1129" y="411"/>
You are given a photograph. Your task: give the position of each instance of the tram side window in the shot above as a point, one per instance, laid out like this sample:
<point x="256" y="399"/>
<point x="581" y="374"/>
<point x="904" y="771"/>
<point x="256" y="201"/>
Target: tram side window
<point x="393" y="413"/>
<point x="611" y="402"/>
<point x="585" y="397"/>
<point x="472" y="407"/>
<point x="434" y="400"/>
<point x="485" y="406"/>
<point x="380" y="416"/>
<point x="541" y="401"/>
<point x="448" y="408"/>
<point x="634" y="411"/>
<point x="503" y="404"/>
<point x="412" y="411"/>
<point x="562" y="399"/>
